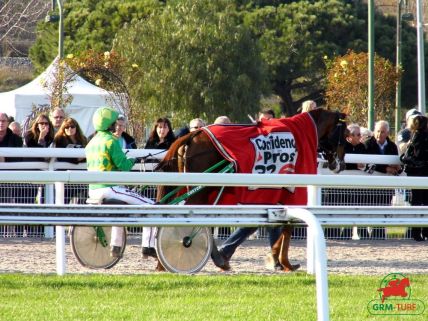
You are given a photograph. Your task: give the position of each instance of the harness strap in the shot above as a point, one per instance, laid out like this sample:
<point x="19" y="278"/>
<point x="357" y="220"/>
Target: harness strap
<point x="227" y="169"/>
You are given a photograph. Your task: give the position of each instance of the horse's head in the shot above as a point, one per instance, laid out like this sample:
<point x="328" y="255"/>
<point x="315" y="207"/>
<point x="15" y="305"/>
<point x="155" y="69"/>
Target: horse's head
<point x="332" y="134"/>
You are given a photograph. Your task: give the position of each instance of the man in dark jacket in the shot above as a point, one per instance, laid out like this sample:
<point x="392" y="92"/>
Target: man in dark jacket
<point x="354" y="146"/>
<point x="381" y="144"/>
<point x="8" y="192"/>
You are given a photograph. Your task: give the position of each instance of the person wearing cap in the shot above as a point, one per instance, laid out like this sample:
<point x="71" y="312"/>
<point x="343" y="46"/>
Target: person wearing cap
<point x="104" y="154"/>
<point x="403" y="136"/>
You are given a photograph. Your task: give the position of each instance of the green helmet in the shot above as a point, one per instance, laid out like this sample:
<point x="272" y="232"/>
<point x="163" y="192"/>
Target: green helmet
<point x="104" y="117"/>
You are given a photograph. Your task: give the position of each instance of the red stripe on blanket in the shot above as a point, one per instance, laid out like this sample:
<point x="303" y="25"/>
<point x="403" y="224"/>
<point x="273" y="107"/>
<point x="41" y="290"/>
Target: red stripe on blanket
<point x="277" y="146"/>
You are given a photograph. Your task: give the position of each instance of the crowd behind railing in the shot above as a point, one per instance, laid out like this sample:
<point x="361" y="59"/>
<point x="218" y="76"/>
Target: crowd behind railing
<point x="59" y="131"/>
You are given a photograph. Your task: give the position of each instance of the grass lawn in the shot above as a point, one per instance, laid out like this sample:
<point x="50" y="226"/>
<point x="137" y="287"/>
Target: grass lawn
<point x="198" y="297"/>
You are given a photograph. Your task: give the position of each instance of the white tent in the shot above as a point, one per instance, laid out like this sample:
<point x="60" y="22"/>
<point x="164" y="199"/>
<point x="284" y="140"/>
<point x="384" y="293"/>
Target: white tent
<point x="86" y="99"/>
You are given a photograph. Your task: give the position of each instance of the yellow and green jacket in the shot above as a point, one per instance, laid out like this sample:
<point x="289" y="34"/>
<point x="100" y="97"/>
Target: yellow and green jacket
<point x="104" y="154"/>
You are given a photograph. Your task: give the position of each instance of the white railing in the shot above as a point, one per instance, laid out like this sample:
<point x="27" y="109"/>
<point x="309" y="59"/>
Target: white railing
<point x="316" y="242"/>
<point x="330" y="196"/>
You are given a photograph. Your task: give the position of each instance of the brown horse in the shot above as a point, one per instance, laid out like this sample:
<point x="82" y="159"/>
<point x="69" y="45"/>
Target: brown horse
<point x="195" y="152"/>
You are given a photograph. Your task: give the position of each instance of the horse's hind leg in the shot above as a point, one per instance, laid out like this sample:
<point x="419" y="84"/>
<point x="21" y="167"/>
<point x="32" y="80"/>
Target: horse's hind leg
<point x="280" y="250"/>
<point x="160" y="267"/>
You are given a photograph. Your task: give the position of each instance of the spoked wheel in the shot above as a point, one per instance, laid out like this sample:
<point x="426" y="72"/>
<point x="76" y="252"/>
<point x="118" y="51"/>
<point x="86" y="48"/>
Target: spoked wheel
<point x="91" y="246"/>
<point x="184" y="249"/>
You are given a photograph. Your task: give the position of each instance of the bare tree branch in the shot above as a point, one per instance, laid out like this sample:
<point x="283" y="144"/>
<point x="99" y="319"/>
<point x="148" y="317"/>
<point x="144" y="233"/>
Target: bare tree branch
<point x="18" y="19"/>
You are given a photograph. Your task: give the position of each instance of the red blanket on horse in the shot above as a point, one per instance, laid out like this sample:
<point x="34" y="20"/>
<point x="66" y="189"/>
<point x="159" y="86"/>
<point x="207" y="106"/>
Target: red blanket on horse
<point x="277" y="146"/>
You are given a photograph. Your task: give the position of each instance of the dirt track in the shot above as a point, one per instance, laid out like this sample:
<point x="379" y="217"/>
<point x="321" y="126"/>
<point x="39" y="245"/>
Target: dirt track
<point x="344" y="257"/>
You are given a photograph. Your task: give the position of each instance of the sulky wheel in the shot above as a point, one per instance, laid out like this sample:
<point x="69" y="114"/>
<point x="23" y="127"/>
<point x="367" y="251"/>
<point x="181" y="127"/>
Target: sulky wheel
<point x="91" y="246"/>
<point x="184" y="249"/>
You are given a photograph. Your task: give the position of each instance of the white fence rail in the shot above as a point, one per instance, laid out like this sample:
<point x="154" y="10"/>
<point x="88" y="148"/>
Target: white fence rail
<point x="22" y="193"/>
<point x="316" y="243"/>
<point x="313" y="216"/>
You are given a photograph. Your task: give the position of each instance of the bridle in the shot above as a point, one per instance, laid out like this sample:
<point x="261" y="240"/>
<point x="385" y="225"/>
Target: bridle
<point x="330" y="143"/>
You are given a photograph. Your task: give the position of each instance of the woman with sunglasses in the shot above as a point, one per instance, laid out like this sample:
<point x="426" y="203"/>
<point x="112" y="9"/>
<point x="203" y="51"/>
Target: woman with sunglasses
<point x="41" y="133"/>
<point x="70" y="135"/>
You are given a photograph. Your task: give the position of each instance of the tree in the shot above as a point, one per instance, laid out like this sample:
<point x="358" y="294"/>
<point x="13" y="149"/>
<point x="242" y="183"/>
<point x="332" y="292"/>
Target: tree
<point x="194" y="59"/>
<point x="18" y="23"/>
<point x="88" y="24"/>
<point x="347" y="86"/>
<point x="294" y="39"/>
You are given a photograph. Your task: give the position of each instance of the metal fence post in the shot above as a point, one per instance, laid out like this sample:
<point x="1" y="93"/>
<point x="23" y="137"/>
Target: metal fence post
<point x="61" y="265"/>
<point x="314" y="198"/>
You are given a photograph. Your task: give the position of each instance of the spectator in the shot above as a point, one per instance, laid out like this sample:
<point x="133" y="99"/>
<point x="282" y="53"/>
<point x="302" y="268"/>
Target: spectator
<point x="415" y="159"/>
<point x="353" y="145"/>
<point x="403" y="136"/>
<point x="266" y="114"/>
<point x="195" y="124"/>
<point x="161" y="136"/>
<point x="181" y="132"/>
<point x="8" y="138"/>
<point x="15" y="127"/>
<point x="352" y="196"/>
<point x="70" y="135"/>
<point x="9" y="193"/>
<point x="41" y="133"/>
<point x="308" y="105"/>
<point x="222" y="120"/>
<point x="57" y="116"/>
<point x="126" y="141"/>
<point x="365" y="134"/>
<point x="381" y="144"/>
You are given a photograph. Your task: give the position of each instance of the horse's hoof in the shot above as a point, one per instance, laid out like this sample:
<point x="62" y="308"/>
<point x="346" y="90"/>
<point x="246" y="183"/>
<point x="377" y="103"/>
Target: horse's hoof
<point x="219" y="260"/>
<point x="224" y="265"/>
<point x="270" y="262"/>
<point x="160" y="267"/>
<point x="291" y="268"/>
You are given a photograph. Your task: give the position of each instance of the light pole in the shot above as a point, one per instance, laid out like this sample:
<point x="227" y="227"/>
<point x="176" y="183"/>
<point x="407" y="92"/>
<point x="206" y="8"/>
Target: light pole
<point x="398" y="68"/>
<point x="370" y="122"/>
<point x="407" y="16"/>
<point x="60" y="31"/>
<point x="59" y="18"/>
<point x="421" y="58"/>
